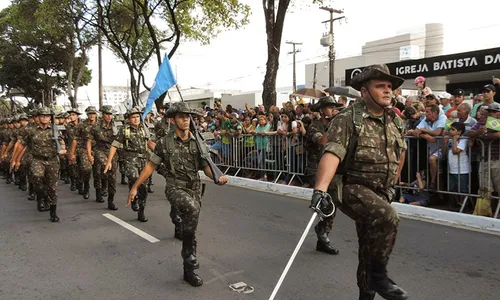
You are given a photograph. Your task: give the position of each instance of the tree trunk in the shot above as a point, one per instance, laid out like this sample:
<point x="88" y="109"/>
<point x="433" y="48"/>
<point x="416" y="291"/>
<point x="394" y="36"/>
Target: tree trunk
<point x="69" y="90"/>
<point x="79" y="76"/>
<point x="274" y="32"/>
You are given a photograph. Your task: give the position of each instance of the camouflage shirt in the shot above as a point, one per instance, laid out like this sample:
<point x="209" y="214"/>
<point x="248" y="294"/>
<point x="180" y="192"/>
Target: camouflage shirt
<point x="181" y="158"/>
<point x="315" y="131"/>
<point x="379" y="147"/>
<point x="82" y="132"/>
<point x="103" y="135"/>
<point x="162" y="127"/>
<point x="41" y="142"/>
<point x="132" y="139"/>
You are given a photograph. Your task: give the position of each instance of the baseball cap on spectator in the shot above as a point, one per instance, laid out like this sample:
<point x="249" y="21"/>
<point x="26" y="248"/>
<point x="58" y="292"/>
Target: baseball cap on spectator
<point x="458" y="92"/>
<point x="489" y="87"/>
<point x="446" y="96"/>
<point x="409" y="111"/>
<point x="234" y="115"/>
<point x="494" y="107"/>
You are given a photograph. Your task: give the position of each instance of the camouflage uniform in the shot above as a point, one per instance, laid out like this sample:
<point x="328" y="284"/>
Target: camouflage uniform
<point x="103" y="135"/>
<point x="45" y="164"/>
<point x="22" y="172"/>
<point x="64" y="173"/>
<point x="133" y="141"/>
<point x="367" y="183"/>
<point x="7" y="141"/>
<point x="314" y="151"/>
<point x="73" y="170"/>
<point x="84" y="165"/>
<point x="120" y="122"/>
<point x="183" y="187"/>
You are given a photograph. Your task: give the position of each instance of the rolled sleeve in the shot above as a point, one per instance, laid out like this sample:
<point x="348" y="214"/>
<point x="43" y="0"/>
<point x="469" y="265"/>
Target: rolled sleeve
<point x="339" y="134"/>
<point x="155" y="159"/>
<point x="156" y="156"/>
<point x="117" y="144"/>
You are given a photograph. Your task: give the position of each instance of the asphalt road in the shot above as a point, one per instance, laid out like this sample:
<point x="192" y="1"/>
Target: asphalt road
<point x="243" y="235"/>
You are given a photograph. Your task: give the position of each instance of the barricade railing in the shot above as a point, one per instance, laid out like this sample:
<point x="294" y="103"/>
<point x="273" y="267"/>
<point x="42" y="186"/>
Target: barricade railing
<point x="473" y="173"/>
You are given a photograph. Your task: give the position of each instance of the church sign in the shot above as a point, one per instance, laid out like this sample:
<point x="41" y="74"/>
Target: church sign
<point x="467" y="62"/>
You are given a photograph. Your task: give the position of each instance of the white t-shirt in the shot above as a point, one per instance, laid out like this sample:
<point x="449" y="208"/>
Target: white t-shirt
<point x="458" y="163"/>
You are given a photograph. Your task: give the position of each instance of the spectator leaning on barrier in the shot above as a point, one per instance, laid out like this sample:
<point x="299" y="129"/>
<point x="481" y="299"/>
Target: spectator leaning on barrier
<point x="463" y="116"/>
<point x="455" y="146"/>
<point x="428" y="130"/>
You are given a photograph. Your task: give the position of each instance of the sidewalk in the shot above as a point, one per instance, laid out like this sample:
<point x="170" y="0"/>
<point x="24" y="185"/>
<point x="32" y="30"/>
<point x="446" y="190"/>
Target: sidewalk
<point x="472" y="222"/>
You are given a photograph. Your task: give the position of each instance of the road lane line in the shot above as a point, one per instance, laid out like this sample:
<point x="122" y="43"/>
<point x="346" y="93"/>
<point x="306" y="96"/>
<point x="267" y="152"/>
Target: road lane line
<point x="135" y="230"/>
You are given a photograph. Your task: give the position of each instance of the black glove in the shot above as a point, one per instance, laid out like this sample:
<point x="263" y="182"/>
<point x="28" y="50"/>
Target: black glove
<point x="323" y="198"/>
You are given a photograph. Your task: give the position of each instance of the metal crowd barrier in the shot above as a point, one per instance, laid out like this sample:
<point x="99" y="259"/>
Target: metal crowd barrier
<point x="285" y="157"/>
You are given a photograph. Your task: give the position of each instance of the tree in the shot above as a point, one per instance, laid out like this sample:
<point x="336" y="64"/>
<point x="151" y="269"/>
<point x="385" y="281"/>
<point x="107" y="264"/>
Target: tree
<point x="66" y="19"/>
<point x="130" y="33"/>
<point x="275" y="19"/>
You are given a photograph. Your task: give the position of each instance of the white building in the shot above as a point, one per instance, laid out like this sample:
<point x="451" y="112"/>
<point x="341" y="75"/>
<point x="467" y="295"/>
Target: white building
<point x="426" y="43"/>
<point x="116" y="95"/>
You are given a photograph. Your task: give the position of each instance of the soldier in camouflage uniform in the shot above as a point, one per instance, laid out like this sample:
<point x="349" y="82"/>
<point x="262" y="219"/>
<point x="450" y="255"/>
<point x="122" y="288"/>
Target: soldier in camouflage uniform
<point x="45" y="164"/>
<point x="149" y="122"/>
<point x="133" y="138"/>
<point x="61" y="125"/>
<point x="3" y="131"/>
<point x="119" y="152"/>
<point x="179" y="151"/>
<point x="103" y="134"/>
<point x="371" y="167"/>
<point x="315" y="141"/>
<point x="20" y="168"/>
<point x="80" y="145"/>
<point x="73" y="170"/>
<point x="7" y="153"/>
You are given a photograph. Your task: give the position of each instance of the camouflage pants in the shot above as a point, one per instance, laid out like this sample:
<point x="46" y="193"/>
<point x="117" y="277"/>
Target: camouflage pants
<point x="84" y="165"/>
<point x="29" y="161"/>
<point x="22" y="172"/>
<point x="376" y="225"/>
<point x="74" y="171"/>
<point x="45" y="177"/>
<point x="64" y="165"/>
<point x="100" y="160"/>
<point x="186" y="206"/>
<point x="133" y="166"/>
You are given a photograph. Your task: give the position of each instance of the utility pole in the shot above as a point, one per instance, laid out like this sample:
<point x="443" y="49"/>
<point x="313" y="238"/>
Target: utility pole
<point x="99" y="54"/>
<point x="314" y="76"/>
<point x="294" y="72"/>
<point x="330" y="42"/>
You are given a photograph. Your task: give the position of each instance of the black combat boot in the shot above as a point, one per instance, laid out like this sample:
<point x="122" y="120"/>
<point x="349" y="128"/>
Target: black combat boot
<point x="135" y="204"/>
<point x="9" y="178"/>
<point x="23" y="185"/>
<point x="150" y="190"/>
<point x="140" y="214"/>
<point x="190" y="262"/>
<point x="366" y="295"/>
<point x="124" y="180"/>
<point x="111" y="205"/>
<point x="323" y="244"/>
<point x="31" y="196"/>
<point x="104" y="189"/>
<point x="98" y="196"/>
<point x="46" y="204"/>
<point x="382" y="284"/>
<point x="16" y="178"/>
<point x="86" y="188"/>
<point x="72" y="187"/>
<point x="79" y="186"/>
<point x="53" y="216"/>
<point x="39" y="202"/>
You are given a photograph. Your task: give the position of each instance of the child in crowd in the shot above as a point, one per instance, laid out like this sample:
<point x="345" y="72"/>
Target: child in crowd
<point x="418" y="195"/>
<point x="458" y="160"/>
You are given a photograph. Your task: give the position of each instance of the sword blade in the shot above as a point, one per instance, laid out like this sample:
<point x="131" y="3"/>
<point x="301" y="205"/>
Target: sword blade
<point x="290" y="261"/>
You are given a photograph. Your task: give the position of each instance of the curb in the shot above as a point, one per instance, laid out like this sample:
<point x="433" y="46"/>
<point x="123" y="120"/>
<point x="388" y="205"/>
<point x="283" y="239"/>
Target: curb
<point x="454" y="219"/>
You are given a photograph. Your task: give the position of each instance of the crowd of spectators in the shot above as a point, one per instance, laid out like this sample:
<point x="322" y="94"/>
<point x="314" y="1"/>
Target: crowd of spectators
<point x="451" y="150"/>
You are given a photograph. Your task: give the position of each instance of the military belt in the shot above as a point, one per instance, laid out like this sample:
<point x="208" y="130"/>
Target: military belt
<point x="185" y="184"/>
<point x="40" y="157"/>
<point x="135" y="154"/>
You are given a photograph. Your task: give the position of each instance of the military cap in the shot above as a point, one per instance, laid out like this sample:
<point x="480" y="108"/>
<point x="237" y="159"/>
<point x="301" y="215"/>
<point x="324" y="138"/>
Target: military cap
<point x="325" y="101"/>
<point x="180" y="107"/>
<point x="45" y="111"/>
<point x="133" y="111"/>
<point x="73" y="110"/>
<point x="378" y="72"/>
<point x="23" y="117"/>
<point x="91" y="110"/>
<point x="106" y="109"/>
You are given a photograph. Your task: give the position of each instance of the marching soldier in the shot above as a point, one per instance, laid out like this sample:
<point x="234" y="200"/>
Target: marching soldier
<point x="103" y="133"/>
<point x="73" y="170"/>
<point x="21" y="171"/>
<point x="61" y="125"/>
<point x="133" y="138"/>
<point x="119" y="151"/>
<point x="368" y="139"/>
<point x="315" y="143"/>
<point x="6" y="154"/>
<point x="79" y="146"/>
<point x="45" y="164"/>
<point x="179" y="151"/>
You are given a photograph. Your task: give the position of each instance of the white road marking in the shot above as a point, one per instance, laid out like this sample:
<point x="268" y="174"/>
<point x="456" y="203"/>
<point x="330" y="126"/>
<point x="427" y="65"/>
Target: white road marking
<point x="135" y="230"/>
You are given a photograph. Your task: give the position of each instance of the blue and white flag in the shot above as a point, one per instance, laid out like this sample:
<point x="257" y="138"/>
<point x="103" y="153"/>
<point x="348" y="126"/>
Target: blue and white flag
<point x="164" y="80"/>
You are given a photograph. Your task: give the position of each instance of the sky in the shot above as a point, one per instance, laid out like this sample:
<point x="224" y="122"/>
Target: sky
<point x="235" y="60"/>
